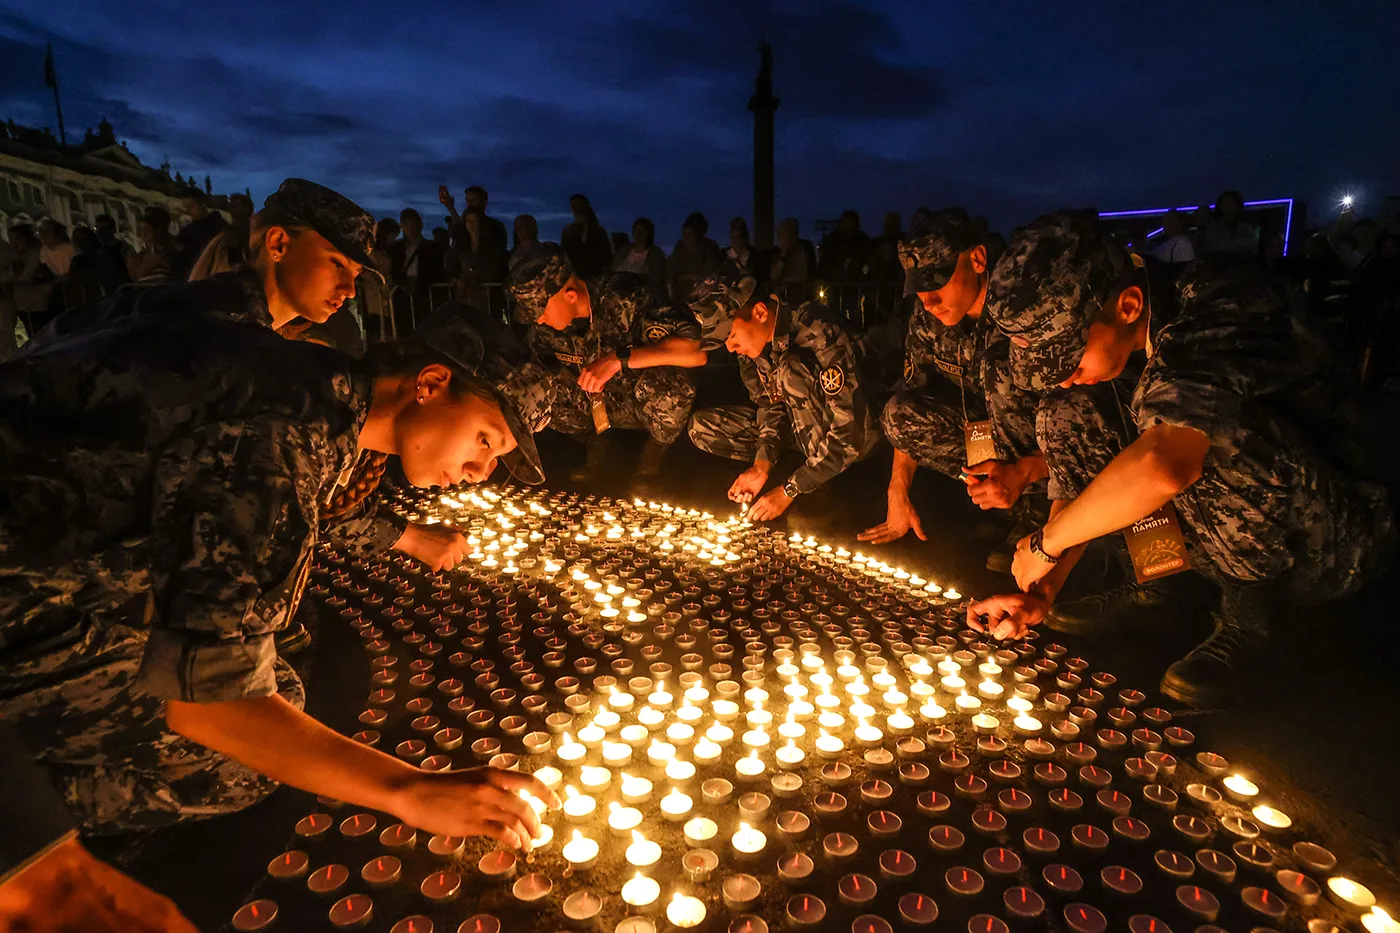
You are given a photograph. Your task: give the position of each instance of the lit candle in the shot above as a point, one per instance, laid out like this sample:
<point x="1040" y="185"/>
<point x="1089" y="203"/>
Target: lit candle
<point x="616" y="753"/>
<point x="578" y="807"/>
<point x="1379" y="921"/>
<point x="747" y="840"/>
<point x="868" y="735"/>
<point x="685" y="912"/>
<point x="790" y="754"/>
<point x="1027" y="724"/>
<point x="900" y="723"/>
<point x="829" y="746"/>
<point x="932" y="712"/>
<point x="967" y="703"/>
<point x="989" y="669"/>
<point x="720" y="735"/>
<point x="594" y="778"/>
<point x="592" y="735"/>
<point x="679" y="772"/>
<point x="1240" y="787"/>
<point x="679" y="733"/>
<point x="706" y="751"/>
<point x="952" y="682"/>
<point x="690" y="713"/>
<point x="990" y="690"/>
<point x="1271" y="818"/>
<point x="640" y="891"/>
<point x="623" y="819"/>
<point x="1347" y="893"/>
<point x="650" y="718"/>
<point x="635" y="789"/>
<point x="642" y="853"/>
<point x="675" y="805"/>
<point x="699" y="831"/>
<point x="580" y="851"/>
<point x="985" y="724"/>
<point x="750" y="768"/>
<point x="659" y="753"/>
<point x="660" y="698"/>
<point x="724" y="710"/>
<point x="756" y="738"/>
<point x="569" y="751"/>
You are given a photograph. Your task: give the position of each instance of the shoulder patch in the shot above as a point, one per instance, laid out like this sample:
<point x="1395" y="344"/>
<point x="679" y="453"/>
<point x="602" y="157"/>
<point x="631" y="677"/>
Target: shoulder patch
<point x="656" y="332"/>
<point x="833" y="379"/>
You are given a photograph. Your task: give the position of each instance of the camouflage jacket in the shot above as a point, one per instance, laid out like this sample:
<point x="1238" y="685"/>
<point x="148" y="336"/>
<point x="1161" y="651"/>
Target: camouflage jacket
<point x="237" y="295"/>
<point x="947" y="363"/>
<point x="808" y="377"/>
<point x="180" y="463"/>
<point x="628" y="310"/>
<point x="1228" y="357"/>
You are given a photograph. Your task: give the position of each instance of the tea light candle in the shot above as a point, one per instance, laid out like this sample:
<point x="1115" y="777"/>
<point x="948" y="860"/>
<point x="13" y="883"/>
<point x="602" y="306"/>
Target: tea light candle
<point x="650" y="718"/>
<point x="806" y="911"/>
<point x="856" y="890"/>
<point x="642" y="853"/>
<point x="381" y="872"/>
<point x="531" y="888"/>
<point x="963" y="882"/>
<point x="1082" y="918"/>
<point x="1198" y="902"/>
<point x="750" y="768"/>
<point x="660" y="753"/>
<point x="616" y="753"/>
<point x="918" y="910"/>
<point x="623" y="820"/>
<point x="1263" y="902"/>
<point x="441" y="887"/>
<point x="676" y="806"/>
<point x="498" y="865"/>
<point x="1379" y="921"/>
<point x="289" y="865"/>
<point x="1350" y="895"/>
<point x="685" y="912"/>
<point x="700" y="830"/>
<point x="327" y="879"/>
<point x="985" y="724"/>
<point x="1062" y="879"/>
<point x="255" y="915"/>
<point x="640" y="892"/>
<point x="352" y="912"/>
<point x="1314" y="857"/>
<point x="580" y="907"/>
<point x="1272" y="819"/>
<point x="748" y="841"/>
<point x="698" y="864"/>
<point x="1240" y="787"/>
<point x="594" y="778"/>
<point x="570" y="752"/>
<point x="829" y="746"/>
<point x="680" y="772"/>
<point x="634" y="789"/>
<point x="706" y="751"/>
<point x="578" y="807"/>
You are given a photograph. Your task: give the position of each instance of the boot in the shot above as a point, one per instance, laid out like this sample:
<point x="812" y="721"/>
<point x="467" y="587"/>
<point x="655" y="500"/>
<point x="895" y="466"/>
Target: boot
<point x="1214" y="668"/>
<point x="649" y="461"/>
<point x="1122" y="606"/>
<point x="589" y="471"/>
<point x="646" y="478"/>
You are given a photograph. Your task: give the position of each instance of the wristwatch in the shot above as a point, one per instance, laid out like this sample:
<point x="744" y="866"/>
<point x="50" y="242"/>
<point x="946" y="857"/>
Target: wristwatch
<point x="1037" y="547"/>
<point x="790" y="489"/>
<point x="623" y="355"/>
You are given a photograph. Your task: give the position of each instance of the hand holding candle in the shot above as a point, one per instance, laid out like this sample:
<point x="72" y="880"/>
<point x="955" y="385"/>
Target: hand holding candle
<point x="474" y="802"/>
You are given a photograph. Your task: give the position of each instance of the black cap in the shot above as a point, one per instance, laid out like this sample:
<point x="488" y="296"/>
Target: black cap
<point x="345" y="225"/>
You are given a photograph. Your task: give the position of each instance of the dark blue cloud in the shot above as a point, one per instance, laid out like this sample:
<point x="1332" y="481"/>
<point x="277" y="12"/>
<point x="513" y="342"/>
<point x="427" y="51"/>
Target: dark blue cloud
<point x="1010" y="109"/>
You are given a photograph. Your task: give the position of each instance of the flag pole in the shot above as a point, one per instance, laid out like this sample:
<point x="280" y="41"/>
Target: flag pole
<point x="51" y="79"/>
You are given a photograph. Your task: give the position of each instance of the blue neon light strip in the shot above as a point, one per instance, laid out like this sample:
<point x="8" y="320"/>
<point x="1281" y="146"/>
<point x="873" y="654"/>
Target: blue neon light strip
<point x="1287" y="224"/>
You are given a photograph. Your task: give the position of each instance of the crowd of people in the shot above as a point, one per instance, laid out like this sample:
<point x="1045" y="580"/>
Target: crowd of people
<point x="173" y="454"/>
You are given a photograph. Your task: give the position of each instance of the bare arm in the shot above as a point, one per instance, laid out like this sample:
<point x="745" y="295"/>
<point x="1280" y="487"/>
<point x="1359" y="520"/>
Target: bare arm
<point x="669" y="351"/>
<point x="274" y="738"/>
<point x="1163" y="462"/>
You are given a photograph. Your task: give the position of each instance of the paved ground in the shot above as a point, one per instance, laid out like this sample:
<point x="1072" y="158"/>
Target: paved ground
<point x="1320" y="733"/>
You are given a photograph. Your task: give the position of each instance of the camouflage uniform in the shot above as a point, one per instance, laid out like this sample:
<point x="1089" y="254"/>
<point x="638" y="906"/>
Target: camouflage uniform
<point x="628" y="310"/>
<point x="160" y="486"/>
<point x="805" y="386"/>
<point x="949" y="372"/>
<point x="1282" y="499"/>
<point x="184" y="488"/>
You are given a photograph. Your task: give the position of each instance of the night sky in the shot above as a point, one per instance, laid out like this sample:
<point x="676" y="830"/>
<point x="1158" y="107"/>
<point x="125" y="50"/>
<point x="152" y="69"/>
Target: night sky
<point x="1010" y="108"/>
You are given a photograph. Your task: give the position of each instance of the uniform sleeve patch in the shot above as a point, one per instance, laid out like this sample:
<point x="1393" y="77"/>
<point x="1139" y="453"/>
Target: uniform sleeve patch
<point x="833" y="379"/>
<point x="656" y="332"/>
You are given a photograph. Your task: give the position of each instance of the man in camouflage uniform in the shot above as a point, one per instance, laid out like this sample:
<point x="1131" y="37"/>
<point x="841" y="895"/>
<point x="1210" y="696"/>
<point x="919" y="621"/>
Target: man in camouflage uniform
<point x="952" y="353"/>
<point x="616" y="352"/>
<point x="160" y="484"/>
<point x="1240" y="428"/>
<point x="799" y="366"/>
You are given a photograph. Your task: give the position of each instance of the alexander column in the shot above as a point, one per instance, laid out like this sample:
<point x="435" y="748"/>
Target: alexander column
<point x="763" y="103"/>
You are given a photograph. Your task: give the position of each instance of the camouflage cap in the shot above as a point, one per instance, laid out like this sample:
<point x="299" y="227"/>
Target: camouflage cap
<point x="450" y="332"/>
<point x="538" y="279"/>
<point x="345" y="225"/>
<point x="716" y="298"/>
<point x="931" y="255"/>
<point x="1045" y="290"/>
